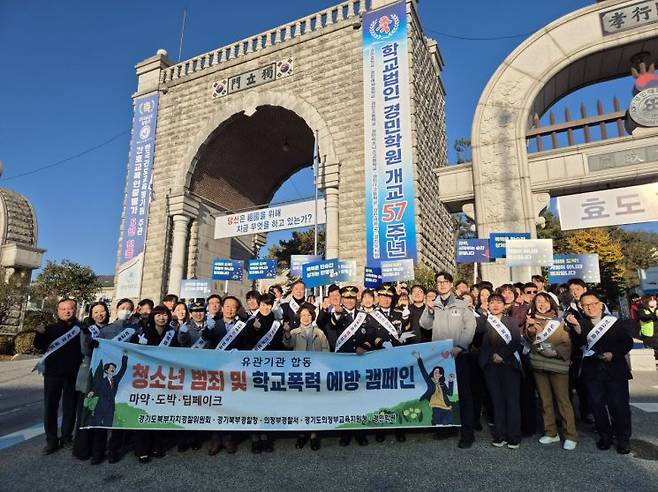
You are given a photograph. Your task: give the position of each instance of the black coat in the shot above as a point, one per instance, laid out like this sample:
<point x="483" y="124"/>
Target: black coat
<point x="290" y="316"/>
<point x="492" y="343"/>
<point x="65" y="361"/>
<point x="363" y="338"/>
<point x="154" y="338"/>
<point x="382" y="335"/>
<point x="218" y="332"/>
<point x="422" y="335"/>
<point x="616" y="340"/>
<point x="255" y="329"/>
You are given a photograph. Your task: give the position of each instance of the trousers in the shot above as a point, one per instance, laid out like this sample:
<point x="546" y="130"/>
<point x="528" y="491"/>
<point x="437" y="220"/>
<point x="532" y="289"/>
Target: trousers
<point x="555" y="387"/>
<point x="504" y="384"/>
<point x="56" y="389"/>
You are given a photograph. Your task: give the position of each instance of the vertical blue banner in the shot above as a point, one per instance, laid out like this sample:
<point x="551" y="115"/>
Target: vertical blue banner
<point x="138" y="196"/>
<point x="227" y="269"/>
<point x="261" y="268"/>
<point x="390" y="204"/>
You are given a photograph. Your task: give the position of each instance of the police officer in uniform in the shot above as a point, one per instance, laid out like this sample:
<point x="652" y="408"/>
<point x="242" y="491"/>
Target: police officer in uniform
<point x="359" y="343"/>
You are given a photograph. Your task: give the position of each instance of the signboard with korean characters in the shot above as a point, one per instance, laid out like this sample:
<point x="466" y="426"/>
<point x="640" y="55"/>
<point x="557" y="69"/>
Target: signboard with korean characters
<point x="529" y="252"/>
<point x="566" y="267"/>
<point x="225" y="269"/>
<point x="261" y="268"/>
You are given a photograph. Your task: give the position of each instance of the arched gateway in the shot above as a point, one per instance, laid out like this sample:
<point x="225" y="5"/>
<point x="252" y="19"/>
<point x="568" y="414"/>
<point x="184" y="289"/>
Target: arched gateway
<point x="222" y="131"/>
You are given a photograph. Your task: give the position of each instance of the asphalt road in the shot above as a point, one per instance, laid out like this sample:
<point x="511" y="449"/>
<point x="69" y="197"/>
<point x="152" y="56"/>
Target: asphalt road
<point x="21" y="396"/>
<point x="421" y="463"/>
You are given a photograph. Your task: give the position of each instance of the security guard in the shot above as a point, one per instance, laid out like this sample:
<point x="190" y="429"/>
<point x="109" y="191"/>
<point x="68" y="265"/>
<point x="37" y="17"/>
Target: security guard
<point x="350" y="331"/>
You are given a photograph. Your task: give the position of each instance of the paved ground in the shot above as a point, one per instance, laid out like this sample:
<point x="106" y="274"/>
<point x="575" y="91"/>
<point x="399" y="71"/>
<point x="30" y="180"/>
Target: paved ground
<point x="21" y="394"/>
<point x="419" y="464"/>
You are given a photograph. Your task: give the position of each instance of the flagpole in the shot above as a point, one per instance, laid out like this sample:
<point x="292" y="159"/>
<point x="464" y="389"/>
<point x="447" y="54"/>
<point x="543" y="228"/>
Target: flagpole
<point x="316" y="158"/>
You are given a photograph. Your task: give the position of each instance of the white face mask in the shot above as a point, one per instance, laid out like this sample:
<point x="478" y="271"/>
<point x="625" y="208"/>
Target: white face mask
<point x="123" y="314"/>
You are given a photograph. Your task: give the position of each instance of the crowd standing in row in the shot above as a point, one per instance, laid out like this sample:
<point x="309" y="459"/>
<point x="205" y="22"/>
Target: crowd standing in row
<point x="511" y="344"/>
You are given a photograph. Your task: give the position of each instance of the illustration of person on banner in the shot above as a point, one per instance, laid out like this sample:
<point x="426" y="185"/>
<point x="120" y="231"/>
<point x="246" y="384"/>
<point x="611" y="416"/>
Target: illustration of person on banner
<point x="438" y="392"/>
<point x="105" y="391"/>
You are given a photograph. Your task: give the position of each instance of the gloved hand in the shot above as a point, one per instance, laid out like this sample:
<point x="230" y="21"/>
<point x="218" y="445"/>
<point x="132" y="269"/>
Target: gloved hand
<point x="141" y="339"/>
<point x="184" y="329"/>
<point x="406" y="313"/>
<point x="387" y="345"/>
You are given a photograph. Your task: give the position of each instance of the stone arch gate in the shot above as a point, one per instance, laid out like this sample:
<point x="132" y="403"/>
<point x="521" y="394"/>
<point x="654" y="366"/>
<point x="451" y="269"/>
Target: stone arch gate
<point x="234" y="123"/>
<point x="506" y="187"/>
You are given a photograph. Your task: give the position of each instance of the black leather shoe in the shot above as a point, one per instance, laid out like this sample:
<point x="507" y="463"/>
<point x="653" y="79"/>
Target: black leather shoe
<point x="464" y="444"/>
<point x="379" y="437"/>
<point x="50" y="448"/>
<point x="96" y="461"/>
<point x="66" y="442"/>
<point x="268" y="445"/>
<point x="256" y="447"/>
<point x="603" y="444"/>
<point x="400" y="437"/>
<point x="362" y="441"/>
<point x="144" y="459"/>
<point x="344" y="441"/>
<point x="301" y="442"/>
<point x="315" y="443"/>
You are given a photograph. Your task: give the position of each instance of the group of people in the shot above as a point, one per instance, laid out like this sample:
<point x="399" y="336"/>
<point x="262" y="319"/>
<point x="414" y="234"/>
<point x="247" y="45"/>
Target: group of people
<point x="511" y="345"/>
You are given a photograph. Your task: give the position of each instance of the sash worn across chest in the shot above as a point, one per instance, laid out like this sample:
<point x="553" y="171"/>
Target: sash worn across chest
<point x="597" y="333"/>
<point x="500" y="328"/>
<point x="267" y="338"/>
<point x="55" y="345"/>
<point x="550" y="328"/>
<point x="230" y="335"/>
<point x="124" y="335"/>
<point x="95" y="332"/>
<point x="294" y="305"/>
<point x="384" y="321"/>
<point x="166" y="340"/>
<point x="350" y="330"/>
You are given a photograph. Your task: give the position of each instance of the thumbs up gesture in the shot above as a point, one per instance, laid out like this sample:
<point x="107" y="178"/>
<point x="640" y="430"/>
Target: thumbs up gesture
<point x="141" y="339"/>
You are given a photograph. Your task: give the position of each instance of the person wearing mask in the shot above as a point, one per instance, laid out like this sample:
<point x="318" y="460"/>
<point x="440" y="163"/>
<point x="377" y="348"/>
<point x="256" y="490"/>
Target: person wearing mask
<point x="158" y="332"/>
<point x="60" y="343"/>
<point x="180" y="315"/>
<point x="99" y="316"/>
<point x="262" y="332"/>
<point x="169" y="301"/>
<point x="605" y="341"/>
<point x="291" y="307"/>
<point x="502" y="371"/>
<point x="223" y="336"/>
<point x="307" y="337"/>
<point x="416" y="309"/>
<point x="195" y="334"/>
<point x="550" y="357"/>
<point x="647" y="316"/>
<point x="450" y="318"/>
<point x="144" y="308"/>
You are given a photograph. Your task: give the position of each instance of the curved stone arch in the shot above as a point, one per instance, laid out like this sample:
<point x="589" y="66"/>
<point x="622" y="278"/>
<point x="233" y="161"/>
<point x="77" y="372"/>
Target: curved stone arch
<point x="501" y="173"/>
<point x="248" y="103"/>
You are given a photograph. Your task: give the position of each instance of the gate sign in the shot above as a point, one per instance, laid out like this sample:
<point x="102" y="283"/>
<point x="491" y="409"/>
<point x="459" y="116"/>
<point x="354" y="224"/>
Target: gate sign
<point x="289" y="216"/>
<point x="261" y="268"/>
<point x="195" y="288"/>
<point x="529" y="252"/>
<point x="497" y="241"/>
<point x="472" y="251"/>
<point x="390" y="202"/>
<point x="372" y="277"/>
<point x="323" y="272"/>
<point x="227" y="269"/>
<point x="630" y="205"/>
<point x="397" y="270"/>
<point x="566" y="267"/>
<point x="296" y="262"/>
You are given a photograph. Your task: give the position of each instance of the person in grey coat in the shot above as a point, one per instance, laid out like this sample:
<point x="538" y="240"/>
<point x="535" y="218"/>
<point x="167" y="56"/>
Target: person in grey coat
<point x="450" y="318"/>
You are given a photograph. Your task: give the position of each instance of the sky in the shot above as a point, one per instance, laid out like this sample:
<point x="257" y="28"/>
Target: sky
<point x="68" y="76"/>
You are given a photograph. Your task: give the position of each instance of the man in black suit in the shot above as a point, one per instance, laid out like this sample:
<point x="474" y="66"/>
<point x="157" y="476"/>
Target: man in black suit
<point x="106" y="390"/>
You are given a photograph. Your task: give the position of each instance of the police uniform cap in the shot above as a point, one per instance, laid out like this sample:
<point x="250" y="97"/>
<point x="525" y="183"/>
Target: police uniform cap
<point x="198" y="304"/>
<point x="386" y="290"/>
<point x="349" y="291"/>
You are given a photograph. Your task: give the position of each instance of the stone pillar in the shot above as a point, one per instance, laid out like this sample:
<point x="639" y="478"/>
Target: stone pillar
<point x="148" y="72"/>
<point x="178" y="258"/>
<point x="328" y="181"/>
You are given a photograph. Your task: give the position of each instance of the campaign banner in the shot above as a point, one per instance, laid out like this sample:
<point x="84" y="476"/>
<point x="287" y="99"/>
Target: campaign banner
<point x="372" y="277"/>
<point x="278" y="218"/>
<point x="629" y="205"/>
<point x="498" y="240"/>
<point x="296" y="262"/>
<point x="323" y="272"/>
<point x="397" y="270"/>
<point x="347" y="271"/>
<point x="137" y="198"/>
<point x="529" y="252"/>
<point x="195" y="288"/>
<point x="225" y="269"/>
<point x="390" y="200"/>
<point x="261" y="268"/>
<point x="472" y="251"/>
<point x="150" y="387"/>
<point x="566" y="267"/>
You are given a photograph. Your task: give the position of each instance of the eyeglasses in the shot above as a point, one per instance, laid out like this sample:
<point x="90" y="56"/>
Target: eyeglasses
<point x="591" y="304"/>
<point x="443" y="282"/>
<point x="530" y="291"/>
